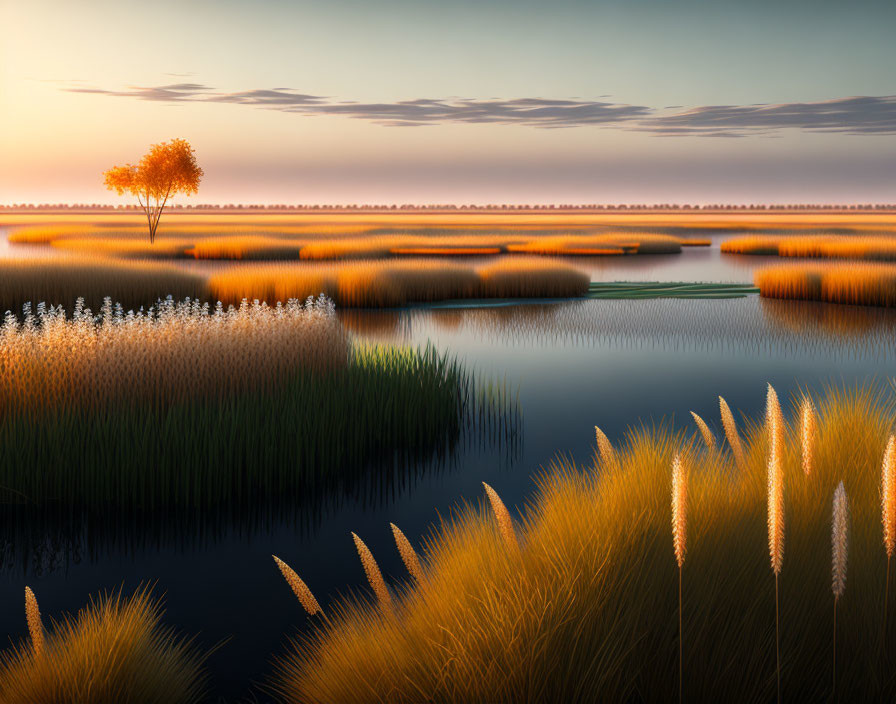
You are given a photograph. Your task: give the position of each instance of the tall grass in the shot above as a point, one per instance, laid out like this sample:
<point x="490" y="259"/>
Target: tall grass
<point x="680" y="545"/>
<point x="588" y="603"/>
<point x="839" y="554"/>
<point x="854" y="284"/>
<point x="115" y="650"/>
<point x="170" y="410"/>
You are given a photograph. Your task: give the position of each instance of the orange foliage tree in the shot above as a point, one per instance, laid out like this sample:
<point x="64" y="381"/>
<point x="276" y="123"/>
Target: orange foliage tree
<point x="164" y="171"/>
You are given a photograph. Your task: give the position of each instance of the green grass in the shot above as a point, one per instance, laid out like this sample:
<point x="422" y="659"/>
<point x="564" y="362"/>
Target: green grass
<point x="655" y="289"/>
<point x="269" y="445"/>
<point x="587" y="609"/>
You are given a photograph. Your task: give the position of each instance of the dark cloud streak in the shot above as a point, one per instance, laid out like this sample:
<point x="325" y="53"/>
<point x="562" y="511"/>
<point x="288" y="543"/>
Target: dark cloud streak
<point x="868" y="115"/>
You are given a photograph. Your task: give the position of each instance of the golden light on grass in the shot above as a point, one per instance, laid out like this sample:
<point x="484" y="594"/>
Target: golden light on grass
<point x="708" y="438"/>
<point x="299" y="588"/>
<point x="839" y="554"/>
<point x="807" y="433"/>
<point x="774" y="423"/>
<point x="854" y="246"/>
<point x="372" y="570"/>
<point x="35" y="625"/>
<point x="502" y="516"/>
<point x="605" y="447"/>
<point x="731" y="433"/>
<point x="680" y="545"/>
<point x="408" y="554"/>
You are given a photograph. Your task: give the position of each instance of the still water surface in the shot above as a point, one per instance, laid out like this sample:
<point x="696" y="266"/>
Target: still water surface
<point x="573" y="365"/>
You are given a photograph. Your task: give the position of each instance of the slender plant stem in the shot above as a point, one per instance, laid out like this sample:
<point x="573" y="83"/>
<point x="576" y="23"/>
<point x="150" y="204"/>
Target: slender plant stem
<point x="835" y="649"/>
<point x="778" y="638"/>
<point x="886" y="598"/>
<point x="680" y="639"/>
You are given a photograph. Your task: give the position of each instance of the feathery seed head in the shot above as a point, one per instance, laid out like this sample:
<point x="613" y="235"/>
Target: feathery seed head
<point x="708" y="437"/>
<point x="299" y="588"/>
<point x="607" y="453"/>
<point x="731" y="433"/>
<point x="807" y="433"/>
<point x="408" y="554"/>
<point x="679" y="509"/>
<point x="775" y="510"/>
<point x="32" y="617"/>
<point x="839" y="540"/>
<point x="888" y="496"/>
<point x="502" y="515"/>
<point x="372" y="570"/>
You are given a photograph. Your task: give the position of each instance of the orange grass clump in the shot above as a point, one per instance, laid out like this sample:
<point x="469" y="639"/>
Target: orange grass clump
<point x="244" y="247"/>
<point x="708" y="437"/>
<point x="407" y="552"/>
<point x="389" y="284"/>
<point x="299" y="588"/>
<point x="372" y="570"/>
<point x="114" y="650"/>
<point x="853" y="284"/>
<point x="878" y="248"/>
<point x="35" y="625"/>
<point x="731" y="433"/>
<point x="176" y="352"/>
<point x="502" y="516"/>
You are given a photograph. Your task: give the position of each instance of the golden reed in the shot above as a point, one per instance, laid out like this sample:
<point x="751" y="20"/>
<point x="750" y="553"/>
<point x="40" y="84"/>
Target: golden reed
<point x="775" y="423"/>
<point x="408" y="554"/>
<point x="839" y="550"/>
<point x="731" y="433"/>
<point x="888" y="511"/>
<point x="35" y="626"/>
<point x="807" y="433"/>
<point x="679" y="543"/>
<point x="299" y="588"/>
<point x="502" y="515"/>
<point x="372" y="570"/>
<point x="708" y="437"/>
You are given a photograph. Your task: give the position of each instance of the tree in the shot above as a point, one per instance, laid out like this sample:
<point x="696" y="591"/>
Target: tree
<point x="164" y="171"/>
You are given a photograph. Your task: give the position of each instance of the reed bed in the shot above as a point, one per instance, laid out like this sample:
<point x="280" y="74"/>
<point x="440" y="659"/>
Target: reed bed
<point x="851" y="284"/>
<point x="114" y="650"/>
<point x="167" y="409"/>
<point x="389" y="284"/>
<point x="876" y="247"/>
<point x="63" y="281"/>
<point x="589" y="602"/>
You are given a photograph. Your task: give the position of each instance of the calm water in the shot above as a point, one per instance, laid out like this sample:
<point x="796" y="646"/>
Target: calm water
<point x="574" y="365"/>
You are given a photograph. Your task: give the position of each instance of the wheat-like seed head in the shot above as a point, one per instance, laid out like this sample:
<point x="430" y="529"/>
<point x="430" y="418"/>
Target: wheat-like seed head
<point x="839" y="540"/>
<point x="679" y="510"/>
<point x="775" y="509"/>
<point x="607" y="453"/>
<point x="32" y="616"/>
<point x="708" y="437"/>
<point x="299" y="588"/>
<point x="888" y="496"/>
<point x="807" y="433"/>
<point x="502" y="515"/>
<point x="774" y="420"/>
<point x="731" y="433"/>
<point x="408" y="554"/>
<point x="372" y="570"/>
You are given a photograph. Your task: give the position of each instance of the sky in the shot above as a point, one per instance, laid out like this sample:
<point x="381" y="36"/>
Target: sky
<point x="469" y="101"/>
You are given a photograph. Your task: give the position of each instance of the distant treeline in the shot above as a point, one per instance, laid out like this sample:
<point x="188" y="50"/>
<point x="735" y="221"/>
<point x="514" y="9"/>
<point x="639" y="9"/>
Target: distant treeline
<point x="470" y="207"/>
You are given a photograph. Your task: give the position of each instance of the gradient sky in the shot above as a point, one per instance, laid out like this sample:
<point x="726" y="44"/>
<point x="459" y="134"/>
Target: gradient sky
<point x="481" y="101"/>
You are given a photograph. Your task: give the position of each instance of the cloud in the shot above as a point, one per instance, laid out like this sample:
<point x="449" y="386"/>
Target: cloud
<point x="855" y="115"/>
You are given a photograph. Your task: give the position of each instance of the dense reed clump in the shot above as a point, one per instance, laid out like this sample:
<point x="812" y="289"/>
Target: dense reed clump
<point x="852" y="284"/>
<point x="588" y="603"/>
<point x="62" y="281"/>
<point x="388" y="284"/>
<point x="168" y="409"/>
<point x="173" y="353"/>
<point x="876" y="247"/>
<point x="115" y="650"/>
